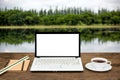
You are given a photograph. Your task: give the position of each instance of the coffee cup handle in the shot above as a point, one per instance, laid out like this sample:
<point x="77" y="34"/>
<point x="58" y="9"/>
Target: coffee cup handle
<point x="109" y="62"/>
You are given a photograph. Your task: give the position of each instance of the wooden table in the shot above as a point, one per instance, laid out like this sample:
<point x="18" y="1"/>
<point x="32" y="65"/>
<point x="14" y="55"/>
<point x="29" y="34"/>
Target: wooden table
<point x="114" y="74"/>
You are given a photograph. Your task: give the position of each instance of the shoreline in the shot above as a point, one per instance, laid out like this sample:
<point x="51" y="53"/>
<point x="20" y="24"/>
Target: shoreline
<point x="59" y="26"/>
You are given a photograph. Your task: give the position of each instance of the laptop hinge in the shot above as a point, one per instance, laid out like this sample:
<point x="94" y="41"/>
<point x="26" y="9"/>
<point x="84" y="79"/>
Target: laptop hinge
<point x="37" y="57"/>
<point x="53" y="57"/>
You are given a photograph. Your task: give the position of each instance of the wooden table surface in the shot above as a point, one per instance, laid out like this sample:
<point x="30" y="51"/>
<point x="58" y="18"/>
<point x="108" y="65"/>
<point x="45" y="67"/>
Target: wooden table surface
<point x="114" y="74"/>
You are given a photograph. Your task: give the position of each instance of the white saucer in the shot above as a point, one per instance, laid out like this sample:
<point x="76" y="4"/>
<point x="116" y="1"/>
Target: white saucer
<point x="91" y="67"/>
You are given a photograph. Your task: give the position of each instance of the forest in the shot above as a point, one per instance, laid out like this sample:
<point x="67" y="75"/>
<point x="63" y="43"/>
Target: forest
<point x="67" y="16"/>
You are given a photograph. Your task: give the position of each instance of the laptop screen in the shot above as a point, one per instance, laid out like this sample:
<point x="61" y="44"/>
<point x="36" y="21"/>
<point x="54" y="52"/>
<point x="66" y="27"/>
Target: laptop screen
<point x="57" y="44"/>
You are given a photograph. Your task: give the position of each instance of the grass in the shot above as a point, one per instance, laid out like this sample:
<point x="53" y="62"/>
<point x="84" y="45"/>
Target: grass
<point x="58" y="26"/>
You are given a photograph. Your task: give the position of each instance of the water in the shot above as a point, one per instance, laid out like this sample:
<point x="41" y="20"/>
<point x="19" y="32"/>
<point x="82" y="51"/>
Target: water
<point x="92" y="40"/>
<point x="22" y="48"/>
<point x="92" y="46"/>
<point x="96" y="46"/>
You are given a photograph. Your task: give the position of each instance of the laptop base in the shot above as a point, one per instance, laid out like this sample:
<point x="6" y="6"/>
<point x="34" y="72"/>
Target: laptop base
<point x="75" y="68"/>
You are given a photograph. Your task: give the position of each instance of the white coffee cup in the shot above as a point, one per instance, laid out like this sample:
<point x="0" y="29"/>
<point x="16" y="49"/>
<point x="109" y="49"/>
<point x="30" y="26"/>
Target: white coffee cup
<point x="99" y="63"/>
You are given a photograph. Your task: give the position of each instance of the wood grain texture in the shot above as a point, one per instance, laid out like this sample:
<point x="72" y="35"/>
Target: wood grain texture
<point x="114" y="74"/>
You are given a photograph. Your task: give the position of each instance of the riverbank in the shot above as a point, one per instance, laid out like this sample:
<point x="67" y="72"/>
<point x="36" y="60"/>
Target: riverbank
<point x="59" y="26"/>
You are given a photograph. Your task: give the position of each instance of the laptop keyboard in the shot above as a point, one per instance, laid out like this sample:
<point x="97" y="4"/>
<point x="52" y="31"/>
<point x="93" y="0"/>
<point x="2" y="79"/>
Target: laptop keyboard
<point x="57" y="62"/>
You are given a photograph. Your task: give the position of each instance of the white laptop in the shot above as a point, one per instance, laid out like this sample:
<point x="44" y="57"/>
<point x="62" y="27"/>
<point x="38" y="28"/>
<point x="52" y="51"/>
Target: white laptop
<point x="59" y="51"/>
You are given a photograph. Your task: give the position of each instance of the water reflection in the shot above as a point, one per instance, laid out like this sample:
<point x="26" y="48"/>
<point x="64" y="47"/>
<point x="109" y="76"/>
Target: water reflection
<point x="97" y="46"/>
<point x="24" y="47"/>
<point x="92" y="40"/>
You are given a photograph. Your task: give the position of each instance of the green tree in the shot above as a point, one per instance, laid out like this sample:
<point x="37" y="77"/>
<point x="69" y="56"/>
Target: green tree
<point x="16" y="19"/>
<point x="115" y="20"/>
<point x="28" y="20"/>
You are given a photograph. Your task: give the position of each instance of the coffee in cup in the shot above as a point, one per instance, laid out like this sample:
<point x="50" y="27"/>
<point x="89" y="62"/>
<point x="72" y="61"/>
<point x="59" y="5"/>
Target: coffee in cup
<point x="99" y="63"/>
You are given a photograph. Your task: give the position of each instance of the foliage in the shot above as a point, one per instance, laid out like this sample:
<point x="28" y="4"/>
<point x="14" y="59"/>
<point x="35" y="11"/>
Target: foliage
<point x="69" y="16"/>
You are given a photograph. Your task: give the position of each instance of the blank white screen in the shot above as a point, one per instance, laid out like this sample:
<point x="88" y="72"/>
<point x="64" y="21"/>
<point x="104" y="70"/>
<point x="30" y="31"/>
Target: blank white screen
<point x="57" y="44"/>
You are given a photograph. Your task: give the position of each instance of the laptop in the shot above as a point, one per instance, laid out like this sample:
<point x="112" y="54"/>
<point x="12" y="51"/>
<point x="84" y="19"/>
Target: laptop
<point x="57" y="51"/>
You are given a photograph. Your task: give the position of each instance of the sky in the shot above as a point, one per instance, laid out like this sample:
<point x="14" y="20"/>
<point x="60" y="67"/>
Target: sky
<point x="47" y="4"/>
